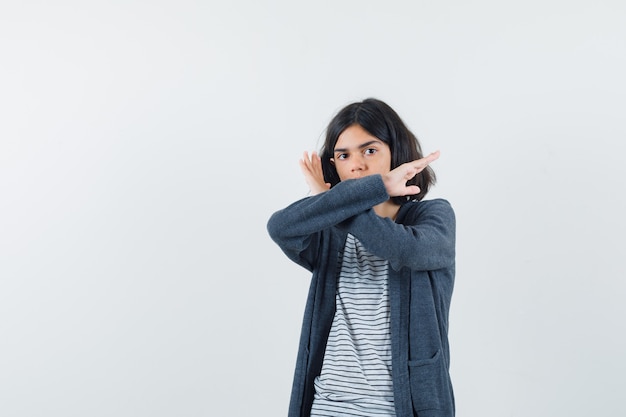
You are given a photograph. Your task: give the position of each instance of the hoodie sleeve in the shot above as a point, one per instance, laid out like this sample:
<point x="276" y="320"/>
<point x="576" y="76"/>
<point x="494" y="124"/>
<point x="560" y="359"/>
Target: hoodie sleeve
<point x="297" y="228"/>
<point x="424" y="241"/>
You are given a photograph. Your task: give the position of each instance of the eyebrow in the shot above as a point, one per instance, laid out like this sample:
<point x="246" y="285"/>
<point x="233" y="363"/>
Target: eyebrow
<point x="365" y="145"/>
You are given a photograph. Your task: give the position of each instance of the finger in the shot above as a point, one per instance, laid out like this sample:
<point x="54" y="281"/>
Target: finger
<point x="305" y="164"/>
<point x="411" y="171"/>
<point x="433" y="156"/>
<point x="308" y="161"/>
<point x="420" y="164"/>
<point x="412" y="190"/>
<point x="430" y="157"/>
<point x="315" y="163"/>
<point x="303" y="167"/>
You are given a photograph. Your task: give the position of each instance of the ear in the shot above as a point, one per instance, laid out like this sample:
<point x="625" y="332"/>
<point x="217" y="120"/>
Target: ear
<point x="332" y="161"/>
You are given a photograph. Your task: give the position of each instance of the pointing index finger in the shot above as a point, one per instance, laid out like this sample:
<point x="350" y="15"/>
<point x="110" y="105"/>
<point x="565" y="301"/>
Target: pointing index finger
<point x="425" y="161"/>
<point x="433" y="156"/>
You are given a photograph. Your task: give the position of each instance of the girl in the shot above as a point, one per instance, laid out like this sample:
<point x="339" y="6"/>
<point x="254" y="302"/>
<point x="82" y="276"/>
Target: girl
<point x="374" y="338"/>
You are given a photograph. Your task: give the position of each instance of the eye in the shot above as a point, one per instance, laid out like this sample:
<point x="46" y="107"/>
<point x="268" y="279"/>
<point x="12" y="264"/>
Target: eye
<point x="370" y="151"/>
<point x="341" y="156"/>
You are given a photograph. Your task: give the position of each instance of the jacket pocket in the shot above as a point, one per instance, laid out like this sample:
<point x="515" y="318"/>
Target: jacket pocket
<point x="428" y="382"/>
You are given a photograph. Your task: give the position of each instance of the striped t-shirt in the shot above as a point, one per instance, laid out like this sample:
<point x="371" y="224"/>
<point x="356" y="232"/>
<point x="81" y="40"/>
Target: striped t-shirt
<point x="356" y="373"/>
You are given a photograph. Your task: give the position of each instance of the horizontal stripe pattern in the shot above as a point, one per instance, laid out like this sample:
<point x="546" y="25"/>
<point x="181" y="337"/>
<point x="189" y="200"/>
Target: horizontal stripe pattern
<point x="356" y="374"/>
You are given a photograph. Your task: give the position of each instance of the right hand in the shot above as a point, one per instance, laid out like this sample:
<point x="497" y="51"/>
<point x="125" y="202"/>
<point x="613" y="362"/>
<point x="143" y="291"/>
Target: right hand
<point x="311" y="167"/>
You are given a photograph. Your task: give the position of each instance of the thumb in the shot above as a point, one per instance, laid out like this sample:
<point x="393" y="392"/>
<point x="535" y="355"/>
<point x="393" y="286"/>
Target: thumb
<point x="412" y="189"/>
<point x="409" y="190"/>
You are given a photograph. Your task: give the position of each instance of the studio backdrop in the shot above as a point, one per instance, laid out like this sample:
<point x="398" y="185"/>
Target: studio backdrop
<point x="144" y="145"/>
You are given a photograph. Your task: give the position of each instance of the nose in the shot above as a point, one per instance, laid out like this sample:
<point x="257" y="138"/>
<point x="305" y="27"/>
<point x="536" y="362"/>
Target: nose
<point x="358" y="164"/>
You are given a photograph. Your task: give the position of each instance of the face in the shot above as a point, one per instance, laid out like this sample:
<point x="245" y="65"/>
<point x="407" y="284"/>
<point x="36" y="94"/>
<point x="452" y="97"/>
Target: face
<point x="358" y="154"/>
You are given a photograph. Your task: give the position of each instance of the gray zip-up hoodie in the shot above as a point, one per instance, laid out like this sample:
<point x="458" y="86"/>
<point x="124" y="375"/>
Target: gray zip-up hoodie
<point x="420" y="248"/>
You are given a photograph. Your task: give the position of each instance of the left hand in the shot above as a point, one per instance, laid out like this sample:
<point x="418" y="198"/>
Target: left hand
<point x="395" y="180"/>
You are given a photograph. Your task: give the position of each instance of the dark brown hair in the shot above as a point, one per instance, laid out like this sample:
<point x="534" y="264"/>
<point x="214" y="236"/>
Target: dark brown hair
<point x="381" y="121"/>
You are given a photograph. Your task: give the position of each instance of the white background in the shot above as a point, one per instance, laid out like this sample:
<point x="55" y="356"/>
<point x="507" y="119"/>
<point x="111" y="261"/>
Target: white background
<point x="144" y="144"/>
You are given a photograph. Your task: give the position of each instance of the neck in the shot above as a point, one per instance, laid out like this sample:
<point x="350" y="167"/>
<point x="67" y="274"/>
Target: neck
<point x="387" y="209"/>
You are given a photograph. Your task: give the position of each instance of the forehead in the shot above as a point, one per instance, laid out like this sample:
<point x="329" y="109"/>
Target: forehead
<point x="354" y="137"/>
